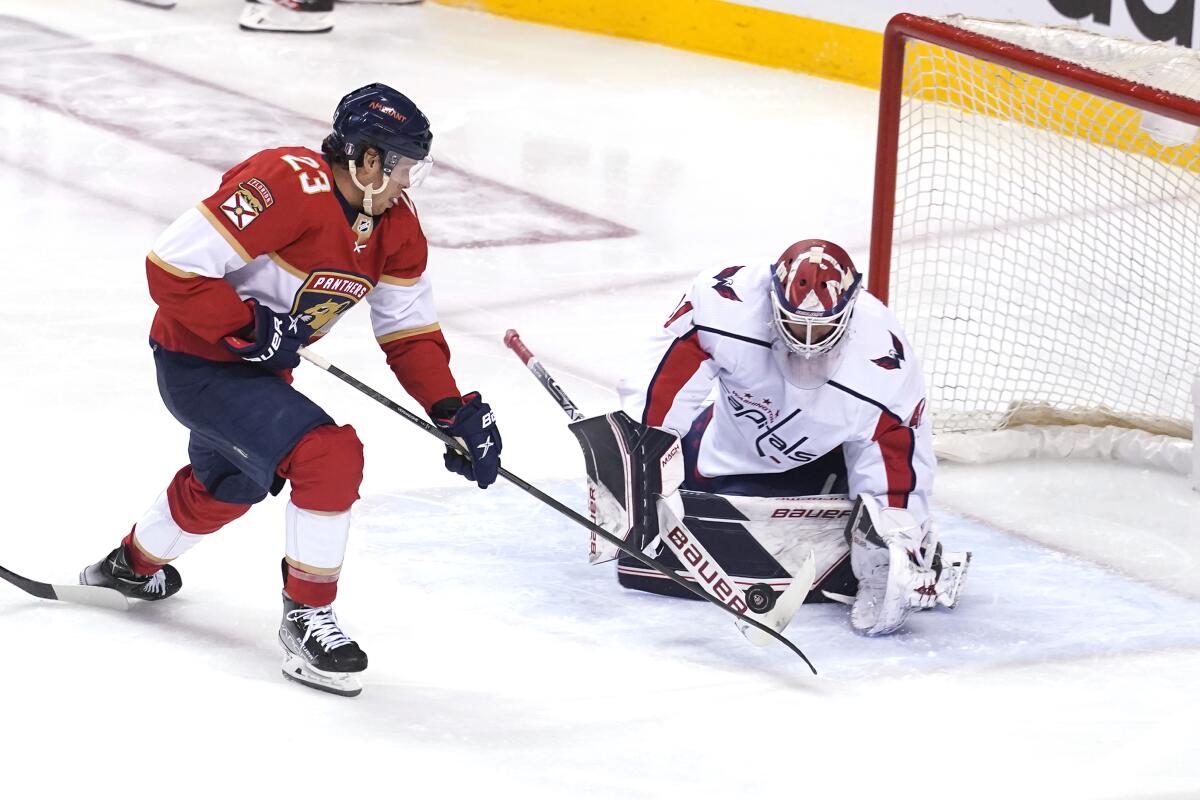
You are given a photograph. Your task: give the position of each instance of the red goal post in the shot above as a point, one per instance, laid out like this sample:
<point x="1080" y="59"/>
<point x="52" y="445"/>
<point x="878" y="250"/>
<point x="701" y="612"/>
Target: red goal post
<point x="1036" y="222"/>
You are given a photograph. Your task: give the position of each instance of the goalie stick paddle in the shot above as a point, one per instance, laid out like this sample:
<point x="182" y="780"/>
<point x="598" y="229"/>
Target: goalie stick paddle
<point x="574" y="516"/>
<point x="513" y="340"/>
<point x="83" y="595"/>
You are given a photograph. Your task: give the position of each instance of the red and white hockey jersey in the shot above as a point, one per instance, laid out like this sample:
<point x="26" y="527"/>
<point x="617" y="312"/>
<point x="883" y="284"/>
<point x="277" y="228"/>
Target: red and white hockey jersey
<point x="773" y="411"/>
<point x="275" y="231"/>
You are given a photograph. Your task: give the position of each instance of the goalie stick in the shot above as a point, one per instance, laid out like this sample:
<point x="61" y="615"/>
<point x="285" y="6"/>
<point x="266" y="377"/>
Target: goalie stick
<point x="574" y="516"/>
<point x="513" y="340"/>
<point x="83" y="595"/>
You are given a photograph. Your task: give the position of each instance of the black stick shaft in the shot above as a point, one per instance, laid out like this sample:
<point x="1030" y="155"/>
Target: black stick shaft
<point x="566" y="511"/>
<point x="35" y="588"/>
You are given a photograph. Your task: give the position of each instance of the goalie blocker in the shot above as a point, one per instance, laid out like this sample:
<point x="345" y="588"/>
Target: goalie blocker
<point x="749" y="551"/>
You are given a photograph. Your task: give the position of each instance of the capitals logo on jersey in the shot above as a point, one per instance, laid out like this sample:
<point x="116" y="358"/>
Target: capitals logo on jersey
<point x="326" y="294"/>
<point x="244" y="205"/>
<point x="893" y="359"/>
<point x="722" y="286"/>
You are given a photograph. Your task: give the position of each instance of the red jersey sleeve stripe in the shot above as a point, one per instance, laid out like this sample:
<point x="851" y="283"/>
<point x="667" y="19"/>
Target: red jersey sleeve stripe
<point x="897" y="443"/>
<point x="677" y="367"/>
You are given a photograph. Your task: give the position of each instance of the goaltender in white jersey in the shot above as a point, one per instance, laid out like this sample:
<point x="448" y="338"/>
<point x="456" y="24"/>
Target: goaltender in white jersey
<point x="791" y="382"/>
<point x="774" y="409"/>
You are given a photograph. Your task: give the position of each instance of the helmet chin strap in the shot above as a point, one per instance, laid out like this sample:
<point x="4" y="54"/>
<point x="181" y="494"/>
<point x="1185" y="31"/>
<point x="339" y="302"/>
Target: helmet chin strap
<point x="369" y="192"/>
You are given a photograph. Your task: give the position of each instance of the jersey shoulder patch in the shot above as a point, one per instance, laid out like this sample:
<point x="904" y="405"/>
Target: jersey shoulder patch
<point x="895" y="357"/>
<point x="269" y="199"/>
<point x="723" y="283"/>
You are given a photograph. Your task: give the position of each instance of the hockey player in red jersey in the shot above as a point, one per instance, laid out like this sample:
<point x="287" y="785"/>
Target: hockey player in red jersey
<point x="783" y="382"/>
<point x="290" y="242"/>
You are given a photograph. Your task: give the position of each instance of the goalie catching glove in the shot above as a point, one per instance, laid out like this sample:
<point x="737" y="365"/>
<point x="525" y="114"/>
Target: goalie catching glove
<point x="900" y="567"/>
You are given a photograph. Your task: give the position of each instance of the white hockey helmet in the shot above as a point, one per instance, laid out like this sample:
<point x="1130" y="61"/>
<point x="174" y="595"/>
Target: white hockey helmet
<point x="813" y="288"/>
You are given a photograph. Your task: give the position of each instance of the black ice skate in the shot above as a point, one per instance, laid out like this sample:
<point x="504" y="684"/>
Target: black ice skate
<point x="113" y="572"/>
<point x="317" y="652"/>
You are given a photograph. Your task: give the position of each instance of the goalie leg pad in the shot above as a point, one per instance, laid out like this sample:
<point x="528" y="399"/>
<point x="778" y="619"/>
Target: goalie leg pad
<point x="760" y="542"/>
<point x="759" y="602"/>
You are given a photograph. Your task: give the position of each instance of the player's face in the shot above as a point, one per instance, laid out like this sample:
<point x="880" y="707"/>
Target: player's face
<point x="371" y="173"/>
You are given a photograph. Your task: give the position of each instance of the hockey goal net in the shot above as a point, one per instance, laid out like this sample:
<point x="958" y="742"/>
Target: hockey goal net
<point x="1037" y="222"/>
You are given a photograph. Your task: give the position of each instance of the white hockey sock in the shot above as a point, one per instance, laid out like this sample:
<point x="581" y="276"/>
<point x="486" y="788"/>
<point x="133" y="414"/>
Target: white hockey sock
<point x="158" y="536"/>
<point x="316" y="540"/>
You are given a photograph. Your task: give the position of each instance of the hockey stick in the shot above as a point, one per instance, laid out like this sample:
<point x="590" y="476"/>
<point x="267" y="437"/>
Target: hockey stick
<point x="513" y="340"/>
<point x="84" y="595"/>
<point x="574" y="516"/>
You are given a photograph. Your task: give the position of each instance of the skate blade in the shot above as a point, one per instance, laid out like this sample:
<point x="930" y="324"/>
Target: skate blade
<point x="345" y="684"/>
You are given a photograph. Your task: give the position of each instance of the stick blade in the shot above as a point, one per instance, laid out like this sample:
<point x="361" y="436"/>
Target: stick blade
<point x="785" y="607"/>
<point x="97" y="596"/>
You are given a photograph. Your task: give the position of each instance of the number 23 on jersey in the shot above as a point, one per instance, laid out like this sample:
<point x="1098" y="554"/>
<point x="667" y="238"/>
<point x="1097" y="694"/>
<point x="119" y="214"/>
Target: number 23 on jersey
<point x="313" y="182"/>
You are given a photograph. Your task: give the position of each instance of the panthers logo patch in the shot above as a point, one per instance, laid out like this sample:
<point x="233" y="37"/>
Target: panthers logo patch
<point x="326" y="294"/>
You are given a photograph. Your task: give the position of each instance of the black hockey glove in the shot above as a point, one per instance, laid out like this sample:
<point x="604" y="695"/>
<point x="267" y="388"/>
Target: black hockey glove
<point x="274" y="338"/>
<point x="471" y="421"/>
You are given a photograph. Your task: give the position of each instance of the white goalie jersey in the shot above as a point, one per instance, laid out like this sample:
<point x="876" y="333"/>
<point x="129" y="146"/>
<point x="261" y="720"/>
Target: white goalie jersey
<point x="772" y="411"/>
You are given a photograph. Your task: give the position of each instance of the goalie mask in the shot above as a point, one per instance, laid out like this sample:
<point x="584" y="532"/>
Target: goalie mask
<point x="813" y="289"/>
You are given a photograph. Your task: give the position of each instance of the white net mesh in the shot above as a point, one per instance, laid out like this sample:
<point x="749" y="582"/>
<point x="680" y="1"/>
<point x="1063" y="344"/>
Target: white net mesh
<point x="1046" y="240"/>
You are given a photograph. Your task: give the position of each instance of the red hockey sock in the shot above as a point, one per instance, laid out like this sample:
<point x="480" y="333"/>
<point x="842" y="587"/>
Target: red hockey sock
<point x="139" y="561"/>
<point x="309" y="589"/>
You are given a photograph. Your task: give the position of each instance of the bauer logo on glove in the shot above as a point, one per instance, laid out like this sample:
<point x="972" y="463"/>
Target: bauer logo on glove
<point x="276" y="338"/>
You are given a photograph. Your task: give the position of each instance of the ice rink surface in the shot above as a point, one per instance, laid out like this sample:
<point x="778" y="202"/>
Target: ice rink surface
<point x="581" y="182"/>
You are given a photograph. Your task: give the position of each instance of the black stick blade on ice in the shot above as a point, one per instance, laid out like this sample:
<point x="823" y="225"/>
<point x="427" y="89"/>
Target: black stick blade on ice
<point x="83" y="595"/>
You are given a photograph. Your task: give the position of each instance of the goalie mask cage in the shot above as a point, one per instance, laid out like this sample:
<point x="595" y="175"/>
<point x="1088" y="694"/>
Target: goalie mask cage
<point x="1036" y="223"/>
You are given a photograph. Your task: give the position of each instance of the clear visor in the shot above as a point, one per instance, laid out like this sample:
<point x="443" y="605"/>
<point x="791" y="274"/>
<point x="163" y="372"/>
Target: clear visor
<point x="408" y="172"/>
